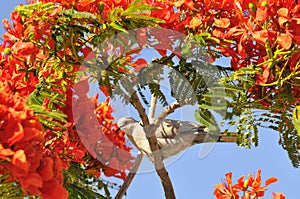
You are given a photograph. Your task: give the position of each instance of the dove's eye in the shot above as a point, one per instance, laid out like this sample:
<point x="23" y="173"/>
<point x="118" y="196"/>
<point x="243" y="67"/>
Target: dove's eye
<point x="128" y="122"/>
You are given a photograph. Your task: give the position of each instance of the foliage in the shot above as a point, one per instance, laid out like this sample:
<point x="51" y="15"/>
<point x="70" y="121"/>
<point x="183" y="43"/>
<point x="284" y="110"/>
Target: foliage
<point x="250" y="188"/>
<point x="83" y="185"/>
<point x="39" y="62"/>
<point x="262" y="42"/>
<point x="48" y="43"/>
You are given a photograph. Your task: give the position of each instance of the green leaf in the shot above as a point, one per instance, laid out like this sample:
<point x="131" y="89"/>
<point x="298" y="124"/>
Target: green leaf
<point x="211" y="104"/>
<point x="51" y="117"/>
<point x="27" y="10"/>
<point x="83" y="185"/>
<point x="53" y="125"/>
<point x="296" y="118"/>
<point x="146" y="18"/>
<point x="214" y="39"/>
<point x="206" y="118"/>
<point x="187" y="47"/>
<point x="221" y="92"/>
<point x="76" y="14"/>
<point x="117" y="27"/>
<point x="199" y="39"/>
<point x="113" y="15"/>
<point x="38" y="109"/>
<point x="138" y="7"/>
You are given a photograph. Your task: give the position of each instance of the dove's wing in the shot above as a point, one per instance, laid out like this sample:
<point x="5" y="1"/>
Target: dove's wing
<point x="175" y="136"/>
<point x="174" y="129"/>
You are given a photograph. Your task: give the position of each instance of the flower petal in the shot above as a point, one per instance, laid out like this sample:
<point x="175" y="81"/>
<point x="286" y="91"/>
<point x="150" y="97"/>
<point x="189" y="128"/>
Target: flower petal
<point x="222" y="23"/>
<point x="285" y="41"/>
<point x="270" y="181"/>
<point x="19" y="160"/>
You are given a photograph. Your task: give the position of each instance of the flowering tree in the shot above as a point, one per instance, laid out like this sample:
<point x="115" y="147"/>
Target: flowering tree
<point x="45" y="145"/>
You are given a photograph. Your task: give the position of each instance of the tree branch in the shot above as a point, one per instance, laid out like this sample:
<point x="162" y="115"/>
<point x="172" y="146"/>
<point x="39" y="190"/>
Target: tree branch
<point x="139" y="158"/>
<point x="129" y="177"/>
<point x="152" y="108"/>
<point x="158" y="161"/>
<point x="170" y="109"/>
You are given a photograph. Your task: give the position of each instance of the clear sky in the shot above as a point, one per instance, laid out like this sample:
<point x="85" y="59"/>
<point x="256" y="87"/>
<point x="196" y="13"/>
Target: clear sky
<point x="194" y="177"/>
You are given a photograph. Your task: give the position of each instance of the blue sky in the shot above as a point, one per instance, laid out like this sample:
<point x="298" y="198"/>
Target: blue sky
<point x="193" y="177"/>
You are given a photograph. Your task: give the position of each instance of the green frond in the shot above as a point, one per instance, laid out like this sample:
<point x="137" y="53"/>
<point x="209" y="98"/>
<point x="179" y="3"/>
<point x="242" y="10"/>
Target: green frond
<point x="74" y="14"/>
<point x="50" y="117"/>
<point x="155" y="90"/>
<point x="83" y="185"/>
<point x="10" y="189"/>
<point x="206" y="118"/>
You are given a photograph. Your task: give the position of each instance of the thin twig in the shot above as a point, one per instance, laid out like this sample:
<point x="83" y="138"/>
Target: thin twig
<point x="170" y="109"/>
<point x="129" y="177"/>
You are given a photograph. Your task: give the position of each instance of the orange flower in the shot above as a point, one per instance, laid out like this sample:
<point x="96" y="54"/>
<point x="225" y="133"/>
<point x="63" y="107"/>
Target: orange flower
<point x="228" y="190"/>
<point x="195" y="22"/>
<point x="46" y="169"/>
<point x="278" y="195"/>
<point x="19" y="161"/>
<point x="24" y="48"/>
<point x="5" y="153"/>
<point x="33" y="179"/>
<point x="222" y="23"/>
<point x="285" y="41"/>
<point x="54" y="189"/>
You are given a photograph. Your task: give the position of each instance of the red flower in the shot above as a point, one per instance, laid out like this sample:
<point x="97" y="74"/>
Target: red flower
<point x="19" y="161"/>
<point x="139" y="64"/>
<point x="285" y="41"/>
<point x="54" y="189"/>
<point x="21" y="48"/>
<point x="278" y="196"/>
<point x="226" y="190"/>
<point x="46" y="169"/>
<point x="5" y="153"/>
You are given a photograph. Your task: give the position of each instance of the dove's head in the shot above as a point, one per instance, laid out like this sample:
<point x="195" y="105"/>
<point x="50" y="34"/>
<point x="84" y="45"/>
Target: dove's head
<point x="127" y="124"/>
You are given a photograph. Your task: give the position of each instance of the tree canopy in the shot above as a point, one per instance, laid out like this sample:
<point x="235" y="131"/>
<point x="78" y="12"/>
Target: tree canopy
<point x="56" y="141"/>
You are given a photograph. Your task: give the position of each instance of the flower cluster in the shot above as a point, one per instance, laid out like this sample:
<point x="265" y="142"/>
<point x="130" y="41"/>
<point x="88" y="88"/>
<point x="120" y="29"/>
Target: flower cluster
<point x="109" y="146"/>
<point x="250" y="188"/>
<point x="22" y="151"/>
<point x="262" y="33"/>
<point x="34" y="156"/>
<point x="43" y="46"/>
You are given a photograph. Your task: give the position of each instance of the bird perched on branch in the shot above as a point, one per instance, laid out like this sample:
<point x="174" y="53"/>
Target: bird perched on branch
<point x="173" y="136"/>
